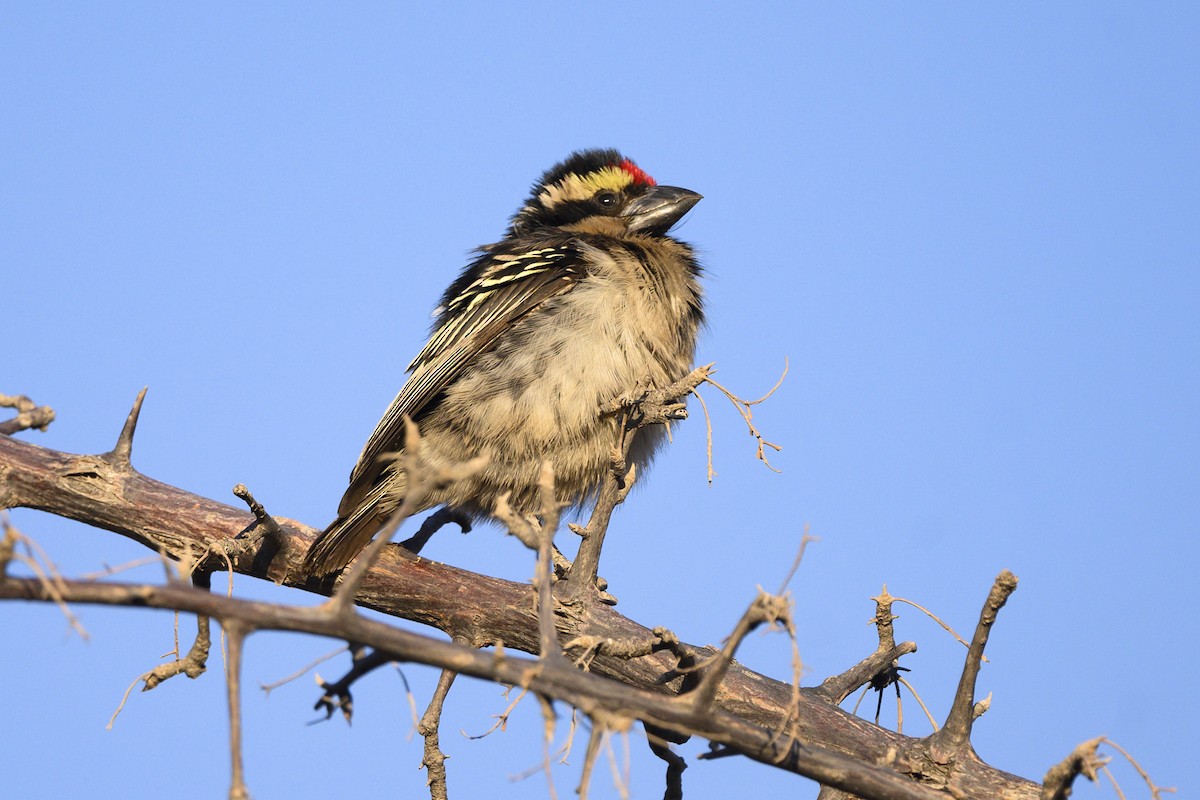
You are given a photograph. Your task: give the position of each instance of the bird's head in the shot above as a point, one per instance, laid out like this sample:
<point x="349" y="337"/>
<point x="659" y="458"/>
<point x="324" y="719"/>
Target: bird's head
<point x="601" y="191"/>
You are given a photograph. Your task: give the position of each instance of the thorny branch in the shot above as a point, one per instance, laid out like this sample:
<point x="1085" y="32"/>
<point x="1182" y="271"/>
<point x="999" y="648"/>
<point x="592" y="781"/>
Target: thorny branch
<point x="590" y="693"/>
<point x="746" y="712"/>
<point x="633" y="411"/>
<point x="879" y="670"/>
<point x="837" y="688"/>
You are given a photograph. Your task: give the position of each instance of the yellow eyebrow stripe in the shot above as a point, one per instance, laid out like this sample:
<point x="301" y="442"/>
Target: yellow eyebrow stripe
<point x="582" y="187"/>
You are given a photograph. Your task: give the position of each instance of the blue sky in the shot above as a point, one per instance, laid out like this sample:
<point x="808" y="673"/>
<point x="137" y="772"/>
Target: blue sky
<point x="972" y="231"/>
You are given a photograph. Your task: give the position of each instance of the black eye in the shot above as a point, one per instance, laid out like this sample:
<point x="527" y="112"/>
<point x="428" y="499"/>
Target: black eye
<point x="607" y="199"/>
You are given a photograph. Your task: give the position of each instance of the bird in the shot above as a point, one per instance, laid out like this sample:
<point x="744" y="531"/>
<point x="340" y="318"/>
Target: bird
<point x="584" y="298"/>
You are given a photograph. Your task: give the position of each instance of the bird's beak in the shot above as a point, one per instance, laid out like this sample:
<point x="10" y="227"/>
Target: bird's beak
<point x="659" y="209"/>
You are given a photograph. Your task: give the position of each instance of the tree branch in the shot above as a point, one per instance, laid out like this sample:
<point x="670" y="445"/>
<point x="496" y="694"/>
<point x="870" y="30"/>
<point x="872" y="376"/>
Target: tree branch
<point x="748" y="709"/>
<point x="590" y="693"/>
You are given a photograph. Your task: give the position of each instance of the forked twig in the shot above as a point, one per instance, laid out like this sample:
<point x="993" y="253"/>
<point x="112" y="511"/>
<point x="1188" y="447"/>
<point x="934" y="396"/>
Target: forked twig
<point x="743" y="407"/>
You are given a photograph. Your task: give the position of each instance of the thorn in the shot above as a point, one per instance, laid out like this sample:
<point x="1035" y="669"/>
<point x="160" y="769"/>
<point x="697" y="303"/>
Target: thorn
<point x="124" y="447"/>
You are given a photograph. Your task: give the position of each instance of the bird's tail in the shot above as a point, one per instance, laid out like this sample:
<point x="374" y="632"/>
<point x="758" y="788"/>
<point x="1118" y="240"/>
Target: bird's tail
<point x="345" y="537"/>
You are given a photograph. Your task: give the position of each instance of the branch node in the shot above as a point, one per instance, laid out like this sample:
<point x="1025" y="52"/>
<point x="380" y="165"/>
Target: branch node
<point x="261" y="517"/>
<point x="766" y="608"/>
<point x="1084" y="760"/>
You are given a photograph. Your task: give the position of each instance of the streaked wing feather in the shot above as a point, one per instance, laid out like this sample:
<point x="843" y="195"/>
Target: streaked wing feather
<point x="509" y="286"/>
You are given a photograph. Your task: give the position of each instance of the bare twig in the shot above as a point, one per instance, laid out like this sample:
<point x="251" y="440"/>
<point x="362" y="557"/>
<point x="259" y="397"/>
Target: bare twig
<point x="744" y="407"/>
<point x="837" y="688"/>
<point x="538" y="535"/>
<point x="580" y="580"/>
<point x="1156" y="791"/>
<point x="595" y="738"/>
<point x="194" y="664"/>
<point x="548" y="727"/>
<point x="8" y="545"/>
<point x="945" y="626"/>
<point x="804" y="542"/>
<point x="1087" y="761"/>
<point x="955" y="735"/>
<point x="1084" y="760"/>
<point x="236" y="631"/>
<point x="527" y="529"/>
<point x="916" y="696"/>
<point x="884" y="618"/>
<point x="767" y="608"/>
<point x="544" y="573"/>
<point x="38" y="561"/>
<point x="267" y="688"/>
<point x="30" y="416"/>
<point x="336" y="696"/>
<point x="433" y="759"/>
<point x="501" y="722"/>
<point x="261" y="517"/>
<point x="708" y="437"/>
<point x="620" y="776"/>
<point x="633" y="410"/>
<point x="108" y="570"/>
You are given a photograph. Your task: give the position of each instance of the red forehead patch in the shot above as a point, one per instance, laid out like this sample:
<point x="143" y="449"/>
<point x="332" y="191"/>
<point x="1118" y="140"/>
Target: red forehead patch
<point x="638" y="174"/>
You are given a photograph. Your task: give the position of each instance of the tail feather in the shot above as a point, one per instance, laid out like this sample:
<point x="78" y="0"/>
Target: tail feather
<point x="341" y="541"/>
